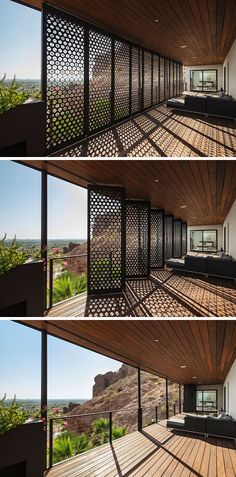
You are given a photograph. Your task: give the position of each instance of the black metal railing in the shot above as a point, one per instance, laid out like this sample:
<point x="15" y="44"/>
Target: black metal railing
<point x="51" y="271"/>
<point x="110" y="423"/>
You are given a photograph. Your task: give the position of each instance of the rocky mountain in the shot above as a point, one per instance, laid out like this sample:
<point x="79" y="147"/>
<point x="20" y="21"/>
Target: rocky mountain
<point x="118" y="391"/>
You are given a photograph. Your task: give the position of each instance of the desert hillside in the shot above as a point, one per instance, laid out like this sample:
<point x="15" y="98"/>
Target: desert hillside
<point x="117" y="391"/>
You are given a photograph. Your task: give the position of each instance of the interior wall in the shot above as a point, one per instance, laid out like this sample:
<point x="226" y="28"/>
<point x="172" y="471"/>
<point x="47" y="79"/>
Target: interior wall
<point x="230" y="223"/>
<point x="219" y="228"/>
<point x="230" y="384"/>
<point x="219" y="388"/>
<point x="230" y="63"/>
<point x="187" y="69"/>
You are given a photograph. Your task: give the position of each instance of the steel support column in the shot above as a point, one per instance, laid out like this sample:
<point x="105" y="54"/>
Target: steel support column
<point x="44" y="391"/>
<point x="139" y="402"/>
<point x="180" y="404"/>
<point x="167" y="400"/>
<point x="44" y="228"/>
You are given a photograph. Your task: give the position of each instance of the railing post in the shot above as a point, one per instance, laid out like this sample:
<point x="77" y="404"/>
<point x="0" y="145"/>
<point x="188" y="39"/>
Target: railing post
<point x="110" y="427"/>
<point x="180" y="404"/>
<point x="50" y="281"/>
<point x="156" y="415"/>
<point x="50" y="442"/>
<point x="139" y="403"/>
<point x="174" y="409"/>
<point x="167" y="400"/>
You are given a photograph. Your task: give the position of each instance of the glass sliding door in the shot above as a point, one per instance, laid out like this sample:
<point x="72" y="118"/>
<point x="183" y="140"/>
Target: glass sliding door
<point x="196" y="80"/>
<point x="206" y="400"/>
<point x="203" y="81"/>
<point x="203" y="241"/>
<point x="209" y="81"/>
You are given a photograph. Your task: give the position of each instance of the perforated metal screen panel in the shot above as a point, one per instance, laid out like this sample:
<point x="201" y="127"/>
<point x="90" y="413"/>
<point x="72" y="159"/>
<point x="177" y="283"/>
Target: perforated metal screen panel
<point x="162" y="79"/>
<point x="177" y="239"/>
<point x="136" y="84"/>
<point x="184" y="239"/>
<point x="171" y="80"/>
<point x="106" y="239"/>
<point x="137" y="238"/>
<point x="147" y="83"/>
<point x="92" y="79"/>
<point x="157" y="239"/>
<point x="169" y="232"/>
<point x="122" y="58"/>
<point x="155" y="86"/>
<point x="100" y="68"/>
<point x="64" y="83"/>
<point x="167" y="79"/>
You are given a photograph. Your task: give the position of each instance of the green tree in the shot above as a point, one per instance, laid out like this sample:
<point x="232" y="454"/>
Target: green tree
<point x="11" y="415"/>
<point x="10" y="255"/>
<point x="11" y="96"/>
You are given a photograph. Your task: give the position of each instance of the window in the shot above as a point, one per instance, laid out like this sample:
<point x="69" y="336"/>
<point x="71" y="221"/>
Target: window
<point x="203" y="241"/>
<point x="204" y="80"/>
<point x="206" y="400"/>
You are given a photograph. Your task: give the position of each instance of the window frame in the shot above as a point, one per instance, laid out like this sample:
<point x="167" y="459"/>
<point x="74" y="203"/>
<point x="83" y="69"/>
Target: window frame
<point x="204" y="90"/>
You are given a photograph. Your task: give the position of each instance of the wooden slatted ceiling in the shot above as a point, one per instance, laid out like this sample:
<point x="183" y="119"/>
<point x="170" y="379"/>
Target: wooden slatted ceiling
<point x="207" y="348"/>
<point x="206" y="27"/>
<point x="207" y="188"/>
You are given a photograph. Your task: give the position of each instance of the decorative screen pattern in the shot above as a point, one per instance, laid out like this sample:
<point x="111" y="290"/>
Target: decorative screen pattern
<point x="136" y="85"/>
<point x="147" y="84"/>
<point x="177" y="239"/>
<point x="106" y="242"/>
<point x="121" y="106"/>
<point x="167" y="79"/>
<point x="175" y="80"/>
<point x="99" y="80"/>
<point x="178" y="77"/>
<point x="169" y="229"/>
<point x="184" y="239"/>
<point x="86" y="79"/>
<point x="157" y="239"/>
<point x="155" y="85"/>
<point x="65" y="79"/>
<point x="137" y="238"/>
<point x="171" y="80"/>
<point x="162" y="79"/>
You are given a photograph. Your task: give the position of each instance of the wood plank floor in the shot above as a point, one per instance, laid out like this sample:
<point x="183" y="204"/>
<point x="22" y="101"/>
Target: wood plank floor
<point x="166" y="293"/>
<point x="157" y="451"/>
<point x="161" y="132"/>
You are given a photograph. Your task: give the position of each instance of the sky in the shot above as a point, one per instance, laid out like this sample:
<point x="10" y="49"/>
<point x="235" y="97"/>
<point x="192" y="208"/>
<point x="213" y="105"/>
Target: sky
<point x="20" y="203"/>
<point x="20" y="40"/>
<point x="71" y="369"/>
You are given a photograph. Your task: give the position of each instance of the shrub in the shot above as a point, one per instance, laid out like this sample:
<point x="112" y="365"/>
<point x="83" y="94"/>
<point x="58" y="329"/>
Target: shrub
<point x="11" y="96"/>
<point x="10" y="415"/>
<point x="10" y="255"/>
<point x="68" y="285"/>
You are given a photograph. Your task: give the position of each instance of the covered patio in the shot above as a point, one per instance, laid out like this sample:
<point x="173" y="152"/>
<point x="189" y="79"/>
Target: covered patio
<point x="109" y="71"/>
<point x="140" y="218"/>
<point x="197" y="354"/>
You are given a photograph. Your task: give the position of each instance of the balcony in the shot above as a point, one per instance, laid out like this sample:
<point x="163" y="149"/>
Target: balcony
<point x="159" y="242"/>
<point x="106" y="82"/>
<point x="154" y="451"/>
<point x="169" y="438"/>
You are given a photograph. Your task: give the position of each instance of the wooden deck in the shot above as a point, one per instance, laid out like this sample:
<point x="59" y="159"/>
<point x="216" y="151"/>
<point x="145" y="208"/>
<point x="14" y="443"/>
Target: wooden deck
<point x="161" y="132"/>
<point x="157" y="451"/>
<point x="166" y="294"/>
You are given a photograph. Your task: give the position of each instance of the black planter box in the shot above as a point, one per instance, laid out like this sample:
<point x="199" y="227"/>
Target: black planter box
<point x="22" y="291"/>
<point x="23" y="130"/>
<point x="22" y="451"/>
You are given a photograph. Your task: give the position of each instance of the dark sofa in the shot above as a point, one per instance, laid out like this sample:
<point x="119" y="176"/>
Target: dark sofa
<point x="206" y="425"/>
<point x="216" y="266"/>
<point x="224" y="107"/>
